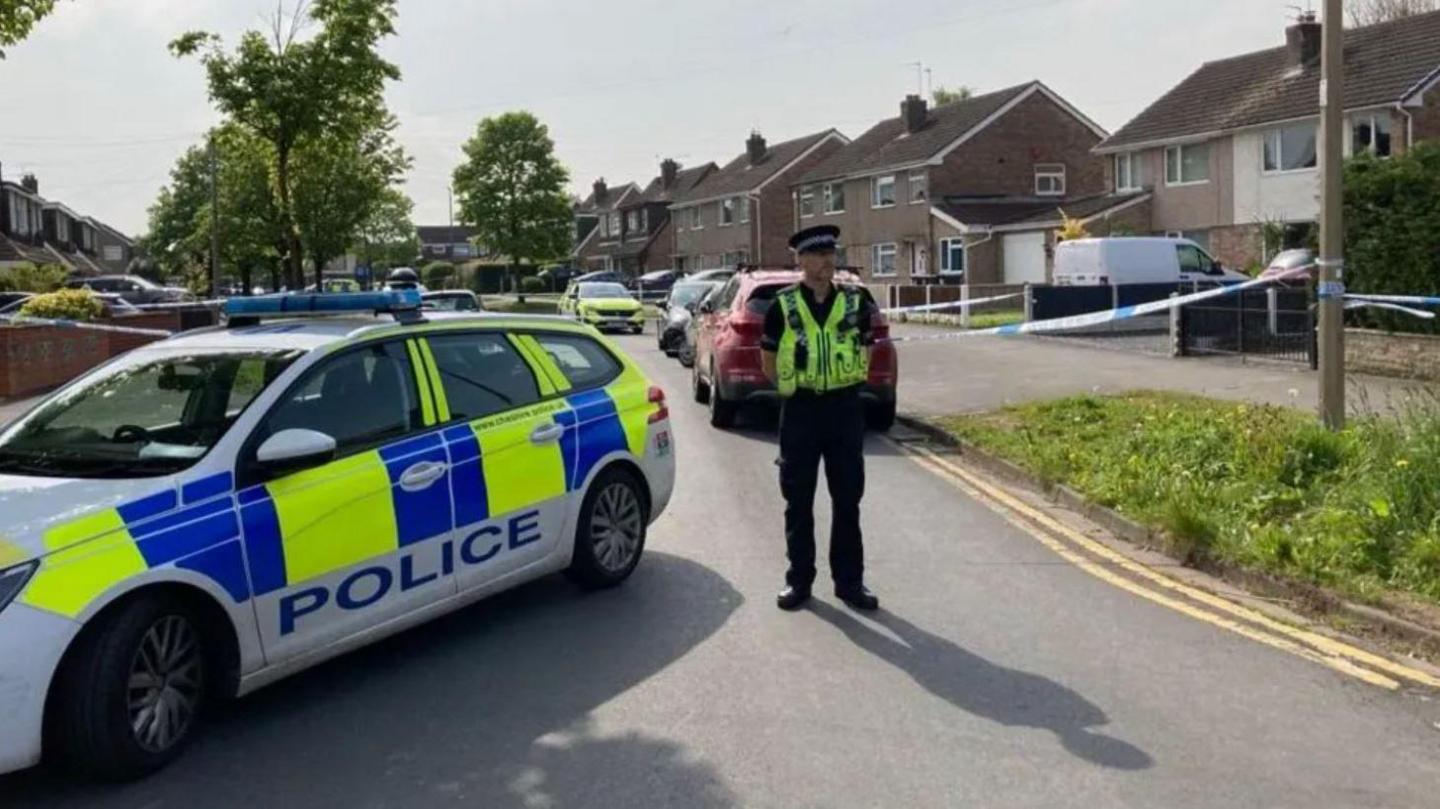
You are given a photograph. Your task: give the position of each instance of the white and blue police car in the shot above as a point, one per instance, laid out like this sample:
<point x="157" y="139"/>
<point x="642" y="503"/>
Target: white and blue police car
<point x="212" y="512"/>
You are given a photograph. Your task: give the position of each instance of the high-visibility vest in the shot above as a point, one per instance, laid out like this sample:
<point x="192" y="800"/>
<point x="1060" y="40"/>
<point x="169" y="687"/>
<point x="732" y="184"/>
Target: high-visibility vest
<point x="818" y="357"/>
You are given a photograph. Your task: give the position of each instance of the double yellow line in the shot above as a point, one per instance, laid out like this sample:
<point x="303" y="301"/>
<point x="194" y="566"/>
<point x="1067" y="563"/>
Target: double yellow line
<point x="1156" y="587"/>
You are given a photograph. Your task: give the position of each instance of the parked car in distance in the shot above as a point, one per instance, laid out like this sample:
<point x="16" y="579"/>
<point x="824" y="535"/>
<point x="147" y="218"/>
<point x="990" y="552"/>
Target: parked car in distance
<point x="452" y="300"/>
<point x="601" y="277"/>
<point x="558" y="278"/>
<point x="1286" y="265"/>
<point x="1136" y="260"/>
<point x="7" y="298"/>
<point x="676" y="312"/>
<point x="114" y="304"/>
<point x="727" y="371"/>
<point x="711" y="275"/>
<point x="133" y="288"/>
<point x="604" y="306"/>
<point x="655" y="285"/>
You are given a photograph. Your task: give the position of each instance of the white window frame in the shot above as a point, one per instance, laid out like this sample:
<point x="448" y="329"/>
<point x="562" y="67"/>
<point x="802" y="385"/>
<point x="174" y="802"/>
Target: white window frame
<point x="1372" y="118"/>
<point x="807" y="201"/>
<point x="1132" y="163"/>
<point x="923" y="186"/>
<point x="946" y="245"/>
<point x="744" y="204"/>
<point x="1055" y="173"/>
<point x="1274" y="138"/>
<point x="62" y="227"/>
<point x="726" y="209"/>
<point x="614" y="218"/>
<point x="875" y="185"/>
<point x="632" y="221"/>
<point x="1179" y="151"/>
<point x="876" y="252"/>
<point x="828" y="193"/>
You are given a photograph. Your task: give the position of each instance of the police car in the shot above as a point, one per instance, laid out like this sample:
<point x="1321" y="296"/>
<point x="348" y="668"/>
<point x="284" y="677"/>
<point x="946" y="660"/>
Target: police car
<point x="210" y="513"/>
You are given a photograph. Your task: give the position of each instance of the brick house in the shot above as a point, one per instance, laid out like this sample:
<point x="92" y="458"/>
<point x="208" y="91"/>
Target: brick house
<point x="647" y="235"/>
<point x="598" y="227"/>
<point x="741" y="213"/>
<point x="114" y="251"/>
<point x="965" y="192"/>
<point x="446" y="243"/>
<point x="34" y="230"/>
<point x="1230" y="154"/>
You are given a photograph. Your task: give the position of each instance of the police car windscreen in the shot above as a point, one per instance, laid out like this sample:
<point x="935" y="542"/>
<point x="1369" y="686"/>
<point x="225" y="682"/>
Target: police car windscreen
<point x="594" y="290"/>
<point x="146" y="418"/>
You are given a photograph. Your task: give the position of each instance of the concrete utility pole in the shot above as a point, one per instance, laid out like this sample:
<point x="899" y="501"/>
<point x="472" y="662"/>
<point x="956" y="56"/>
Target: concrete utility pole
<point x="1332" y="225"/>
<point x="214" y="221"/>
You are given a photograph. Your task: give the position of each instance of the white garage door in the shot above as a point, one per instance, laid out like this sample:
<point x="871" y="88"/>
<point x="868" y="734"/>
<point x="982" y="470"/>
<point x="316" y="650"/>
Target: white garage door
<point x="1024" y="258"/>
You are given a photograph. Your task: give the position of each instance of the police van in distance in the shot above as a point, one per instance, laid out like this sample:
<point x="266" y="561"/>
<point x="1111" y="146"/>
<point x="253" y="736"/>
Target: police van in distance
<point x="212" y="512"/>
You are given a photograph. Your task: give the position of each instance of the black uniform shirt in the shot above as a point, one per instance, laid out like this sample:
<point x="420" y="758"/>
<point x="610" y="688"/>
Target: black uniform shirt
<point x="775" y="316"/>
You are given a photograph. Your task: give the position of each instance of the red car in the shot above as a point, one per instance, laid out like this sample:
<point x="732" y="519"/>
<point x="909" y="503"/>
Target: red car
<point x="727" y="371"/>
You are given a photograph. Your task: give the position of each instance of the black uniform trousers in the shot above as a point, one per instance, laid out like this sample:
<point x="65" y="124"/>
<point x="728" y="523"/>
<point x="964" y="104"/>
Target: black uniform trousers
<point x="831" y="427"/>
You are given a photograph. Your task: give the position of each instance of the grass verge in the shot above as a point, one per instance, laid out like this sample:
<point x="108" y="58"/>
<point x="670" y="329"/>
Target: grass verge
<point x="979" y="320"/>
<point x="1261" y="487"/>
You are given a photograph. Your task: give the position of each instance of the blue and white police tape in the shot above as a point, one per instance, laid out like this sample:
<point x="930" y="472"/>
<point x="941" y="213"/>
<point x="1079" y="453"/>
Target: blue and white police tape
<point x="23" y="320"/>
<point x="1099" y="318"/>
<point x="1393" y="307"/>
<point x="1413" y="300"/>
<point x="936" y="307"/>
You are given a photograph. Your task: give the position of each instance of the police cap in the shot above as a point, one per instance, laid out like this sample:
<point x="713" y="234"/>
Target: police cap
<point x="819" y="239"/>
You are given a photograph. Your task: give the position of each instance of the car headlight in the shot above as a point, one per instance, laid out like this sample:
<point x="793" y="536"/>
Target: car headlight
<point x="14" y="579"/>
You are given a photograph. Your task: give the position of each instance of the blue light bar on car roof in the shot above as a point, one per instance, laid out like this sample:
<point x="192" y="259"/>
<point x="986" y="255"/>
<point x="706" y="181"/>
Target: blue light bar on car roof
<point x="389" y="300"/>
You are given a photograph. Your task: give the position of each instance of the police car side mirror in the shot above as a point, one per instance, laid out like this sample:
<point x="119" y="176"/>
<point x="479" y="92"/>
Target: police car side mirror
<point x="293" y="450"/>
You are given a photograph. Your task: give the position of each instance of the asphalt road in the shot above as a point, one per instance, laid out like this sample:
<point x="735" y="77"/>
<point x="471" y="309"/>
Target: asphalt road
<point x="997" y="675"/>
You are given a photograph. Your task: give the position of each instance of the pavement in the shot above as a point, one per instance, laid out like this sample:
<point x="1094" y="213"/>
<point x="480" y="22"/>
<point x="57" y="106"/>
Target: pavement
<point x="996" y="674"/>
<point x="976" y="374"/>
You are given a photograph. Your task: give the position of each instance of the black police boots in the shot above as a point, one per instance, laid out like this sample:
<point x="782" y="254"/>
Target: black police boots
<point x="858" y="597"/>
<point x="792" y="598"/>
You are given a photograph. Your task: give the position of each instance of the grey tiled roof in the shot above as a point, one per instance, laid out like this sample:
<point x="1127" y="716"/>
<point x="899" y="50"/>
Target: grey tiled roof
<point x="612" y="198"/>
<point x="685" y="181"/>
<point x="1383" y="64"/>
<point x="888" y="144"/>
<point x="739" y="175"/>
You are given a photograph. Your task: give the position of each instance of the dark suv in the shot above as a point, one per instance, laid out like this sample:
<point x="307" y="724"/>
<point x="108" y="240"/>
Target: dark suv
<point x="132" y="288"/>
<point x="727" y="371"/>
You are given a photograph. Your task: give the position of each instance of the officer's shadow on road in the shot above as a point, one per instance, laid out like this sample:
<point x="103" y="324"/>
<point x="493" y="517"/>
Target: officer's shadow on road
<point x="969" y="682"/>
<point x="493" y="706"/>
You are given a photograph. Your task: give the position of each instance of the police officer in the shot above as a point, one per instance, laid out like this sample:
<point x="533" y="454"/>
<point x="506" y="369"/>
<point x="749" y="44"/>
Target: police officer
<point x="403" y="278"/>
<point x="816" y="353"/>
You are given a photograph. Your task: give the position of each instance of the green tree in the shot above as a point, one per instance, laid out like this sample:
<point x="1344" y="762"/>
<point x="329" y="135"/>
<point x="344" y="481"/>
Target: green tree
<point x="437" y="274"/>
<point x="17" y="17"/>
<point x="1369" y="12"/>
<point x="387" y="236"/>
<point x="26" y="277"/>
<point x="511" y="189"/>
<point x="340" y="181"/>
<point x="287" y="90"/>
<point x="1392" y="213"/>
<point x="945" y="95"/>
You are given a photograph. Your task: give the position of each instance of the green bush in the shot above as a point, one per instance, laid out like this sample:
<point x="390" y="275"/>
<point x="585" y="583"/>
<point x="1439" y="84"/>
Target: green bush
<point x="532" y="285"/>
<point x="1262" y="487"/>
<point x="1392" y="216"/>
<point x="66" y="304"/>
<point x="437" y="274"/>
<point x="27" y="277"/>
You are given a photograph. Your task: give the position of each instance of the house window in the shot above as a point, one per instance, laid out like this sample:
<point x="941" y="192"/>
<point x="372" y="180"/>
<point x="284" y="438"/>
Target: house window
<point x="842" y="256"/>
<point x="1129" y="174"/>
<point x="112" y="252"/>
<point x="1370" y="133"/>
<point x="882" y="191"/>
<point x="632" y="221"/>
<point x="919" y="187"/>
<point x="744" y="203"/>
<point x="1187" y="164"/>
<point x="696" y="221"/>
<point x="835" y="198"/>
<point x="952" y="256"/>
<point x="882" y="259"/>
<point x="735" y="258"/>
<point x="807" y="201"/>
<point x="1050" y="179"/>
<point x="615" y="224"/>
<point x="1291" y="148"/>
<point x="644" y="220"/>
<point x="727" y="211"/>
<point x="62" y="227"/>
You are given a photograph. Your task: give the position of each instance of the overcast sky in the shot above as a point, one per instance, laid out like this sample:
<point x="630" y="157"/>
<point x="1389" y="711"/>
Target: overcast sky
<point x="94" y="105"/>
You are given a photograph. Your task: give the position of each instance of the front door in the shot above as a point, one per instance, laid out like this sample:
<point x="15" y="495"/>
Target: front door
<point x="342" y="547"/>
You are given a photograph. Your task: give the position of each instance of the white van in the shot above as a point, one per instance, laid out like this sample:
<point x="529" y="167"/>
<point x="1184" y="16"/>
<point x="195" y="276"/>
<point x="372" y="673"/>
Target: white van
<point x="1136" y="260"/>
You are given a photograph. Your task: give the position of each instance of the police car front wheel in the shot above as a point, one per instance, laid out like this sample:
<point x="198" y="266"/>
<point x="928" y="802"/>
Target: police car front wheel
<point x="130" y="693"/>
<point x="611" y="533"/>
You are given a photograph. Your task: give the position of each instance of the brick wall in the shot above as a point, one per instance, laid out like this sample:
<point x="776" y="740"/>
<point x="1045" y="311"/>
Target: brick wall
<point x="1427" y="118"/>
<point x="34" y="359"/>
<point x="1237" y="246"/>
<point x="1408" y="356"/>
<point x="1002" y="158"/>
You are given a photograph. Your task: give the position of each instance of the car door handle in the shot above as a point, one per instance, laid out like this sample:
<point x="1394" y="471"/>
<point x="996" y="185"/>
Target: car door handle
<point x="546" y="433"/>
<point x="422" y="474"/>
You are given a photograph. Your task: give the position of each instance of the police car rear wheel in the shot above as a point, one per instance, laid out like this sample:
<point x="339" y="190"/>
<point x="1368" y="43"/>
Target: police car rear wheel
<point x="132" y="691"/>
<point x="611" y="535"/>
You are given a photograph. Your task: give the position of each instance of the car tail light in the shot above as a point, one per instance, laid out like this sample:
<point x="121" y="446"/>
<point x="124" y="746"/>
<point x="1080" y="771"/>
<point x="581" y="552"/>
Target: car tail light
<point x="662" y="411"/>
<point x="747" y="328"/>
<point x="879" y="328"/>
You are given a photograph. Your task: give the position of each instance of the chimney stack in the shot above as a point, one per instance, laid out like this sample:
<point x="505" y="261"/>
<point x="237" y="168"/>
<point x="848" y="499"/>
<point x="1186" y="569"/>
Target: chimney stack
<point x="668" y="170"/>
<point x="1302" y="42"/>
<point x="913" y="110"/>
<point x="601" y="191"/>
<point x="29" y="183"/>
<point x="755" y="147"/>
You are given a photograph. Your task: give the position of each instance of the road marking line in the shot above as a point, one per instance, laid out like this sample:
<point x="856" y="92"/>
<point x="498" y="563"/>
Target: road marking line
<point x="1325" y="651"/>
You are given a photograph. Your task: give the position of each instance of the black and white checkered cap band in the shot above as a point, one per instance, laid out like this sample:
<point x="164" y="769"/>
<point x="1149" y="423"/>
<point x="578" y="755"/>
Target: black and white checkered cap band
<point x="820" y="241"/>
